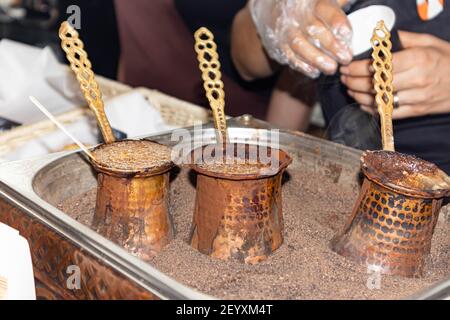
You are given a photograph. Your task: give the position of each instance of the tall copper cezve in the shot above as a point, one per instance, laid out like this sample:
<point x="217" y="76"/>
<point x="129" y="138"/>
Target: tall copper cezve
<point x="392" y="224"/>
<point x="240" y="216"/>
<point x="132" y="208"/>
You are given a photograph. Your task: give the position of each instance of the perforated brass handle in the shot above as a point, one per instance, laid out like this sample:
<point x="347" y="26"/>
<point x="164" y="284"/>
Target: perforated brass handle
<point x="80" y="64"/>
<point x="209" y="64"/>
<point x="382" y="64"/>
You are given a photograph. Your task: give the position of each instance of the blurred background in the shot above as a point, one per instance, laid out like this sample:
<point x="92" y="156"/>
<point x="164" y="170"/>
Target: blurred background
<point x="36" y="22"/>
<point x="138" y="43"/>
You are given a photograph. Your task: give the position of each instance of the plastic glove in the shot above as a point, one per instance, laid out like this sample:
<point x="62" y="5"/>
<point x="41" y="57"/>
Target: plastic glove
<point x="311" y="36"/>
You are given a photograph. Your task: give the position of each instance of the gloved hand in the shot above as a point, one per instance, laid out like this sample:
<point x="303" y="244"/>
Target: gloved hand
<point x="311" y="36"/>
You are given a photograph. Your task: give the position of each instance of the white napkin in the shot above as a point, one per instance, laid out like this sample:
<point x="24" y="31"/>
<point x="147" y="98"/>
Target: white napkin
<point x="84" y="129"/>
<point x="130" y="113"/>
<point x="15" y="265"/>
<point x="26" y="70"/>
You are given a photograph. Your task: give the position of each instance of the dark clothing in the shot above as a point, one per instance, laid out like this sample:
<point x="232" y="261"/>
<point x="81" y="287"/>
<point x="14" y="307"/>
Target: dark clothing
<point x="158" y="50"/>
<point x="218" y="16"/>
<point x="98" y="32"/>
<point x="427" y="137"/>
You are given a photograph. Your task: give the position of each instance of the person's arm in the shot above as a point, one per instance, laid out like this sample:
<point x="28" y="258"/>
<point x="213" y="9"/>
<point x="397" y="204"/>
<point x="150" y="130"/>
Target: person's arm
<point x="309" y="36"/>
<point x="247" y="51"/>
<point x="292" y="101"/>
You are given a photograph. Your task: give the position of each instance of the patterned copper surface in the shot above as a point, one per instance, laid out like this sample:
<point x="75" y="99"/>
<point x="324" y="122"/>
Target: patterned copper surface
<point x="132" y="207"/>
<point x="405" y="174"/>
<point x="390" y="229"/>
<point x="238" y="220"/>
<point x="52" y="253"/>
<point x="134" y="212"/>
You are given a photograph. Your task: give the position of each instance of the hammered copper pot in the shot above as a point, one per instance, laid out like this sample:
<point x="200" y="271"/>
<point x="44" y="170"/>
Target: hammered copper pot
<point x="132" y="208"/>
<point x="393" y="220"/>
<point x="239" y="216"/>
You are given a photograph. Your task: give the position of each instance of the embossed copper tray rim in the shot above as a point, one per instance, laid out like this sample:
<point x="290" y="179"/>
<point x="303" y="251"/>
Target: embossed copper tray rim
<point x="117" y="258"/>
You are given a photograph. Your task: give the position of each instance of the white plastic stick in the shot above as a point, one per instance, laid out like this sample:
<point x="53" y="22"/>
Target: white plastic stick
<point x="59" y="125"/>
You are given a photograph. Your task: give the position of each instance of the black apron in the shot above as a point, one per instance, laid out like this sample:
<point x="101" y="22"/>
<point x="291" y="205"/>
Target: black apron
<point x="428" y="137"/>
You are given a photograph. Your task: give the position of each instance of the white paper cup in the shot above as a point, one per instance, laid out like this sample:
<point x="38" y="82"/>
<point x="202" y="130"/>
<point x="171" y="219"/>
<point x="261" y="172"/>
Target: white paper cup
<point x="364" y="20"/>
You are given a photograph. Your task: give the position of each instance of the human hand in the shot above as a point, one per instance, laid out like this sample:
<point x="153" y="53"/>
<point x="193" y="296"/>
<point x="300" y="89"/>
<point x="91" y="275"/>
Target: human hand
<point x="421" y="77"/>
<point x="310" y="36"/>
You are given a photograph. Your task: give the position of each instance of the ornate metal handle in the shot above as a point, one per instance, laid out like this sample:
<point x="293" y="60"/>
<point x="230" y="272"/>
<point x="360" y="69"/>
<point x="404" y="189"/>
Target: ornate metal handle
<point x="382" y="64"/>
<point x="209" y="64"/>
<point x="80" y="64"/>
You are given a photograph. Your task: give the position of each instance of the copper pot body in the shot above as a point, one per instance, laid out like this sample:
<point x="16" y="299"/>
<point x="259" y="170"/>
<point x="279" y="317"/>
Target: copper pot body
<point x="132" y="209"/>
<point x="390" y="228"/>
<point x="239" y="219"/>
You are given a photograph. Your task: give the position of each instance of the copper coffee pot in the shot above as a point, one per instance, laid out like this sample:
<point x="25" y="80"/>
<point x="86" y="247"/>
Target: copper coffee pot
<point x="132" y="202"/>
<point x="238" y="216"/>
<point x="392" y="224"/>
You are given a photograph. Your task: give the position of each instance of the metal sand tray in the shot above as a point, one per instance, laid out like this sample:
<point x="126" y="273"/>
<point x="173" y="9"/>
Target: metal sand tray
<point x="32" y="190"/>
